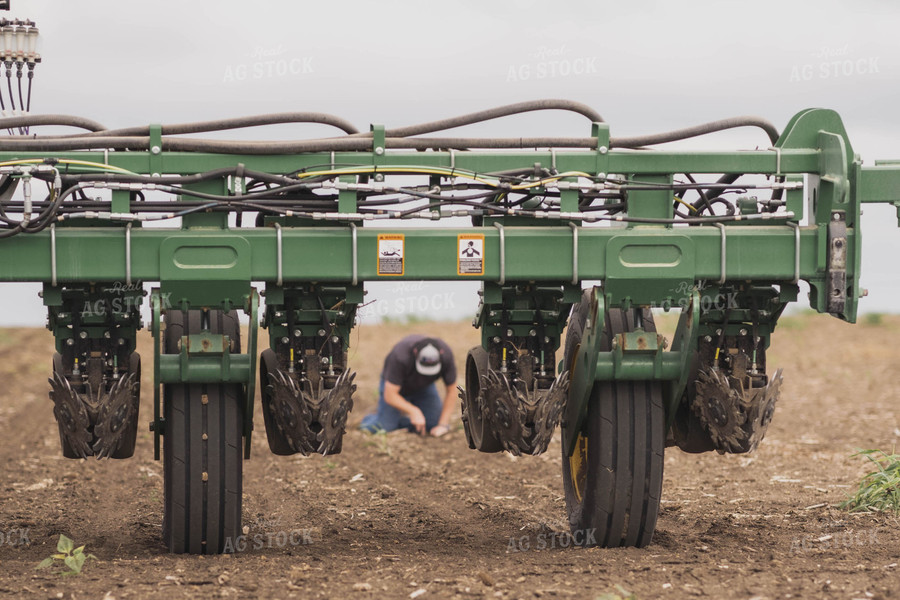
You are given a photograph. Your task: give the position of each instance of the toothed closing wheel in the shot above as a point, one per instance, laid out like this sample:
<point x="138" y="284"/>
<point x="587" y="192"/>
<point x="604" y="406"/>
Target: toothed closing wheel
<point x="735" y="419"/>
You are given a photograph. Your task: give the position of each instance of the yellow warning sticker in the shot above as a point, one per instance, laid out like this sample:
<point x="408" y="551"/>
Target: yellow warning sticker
<point x="390" y="254"/>
<point x="470" y="254"/>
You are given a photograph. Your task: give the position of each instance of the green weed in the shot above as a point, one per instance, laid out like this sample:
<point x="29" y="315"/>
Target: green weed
<point x="880" y="489"/>
<point x="71" y="557"/>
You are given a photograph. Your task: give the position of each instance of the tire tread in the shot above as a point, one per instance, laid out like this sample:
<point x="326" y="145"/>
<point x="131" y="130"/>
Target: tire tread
<point x="624" y="427"/>
<point x="199" y="516"/>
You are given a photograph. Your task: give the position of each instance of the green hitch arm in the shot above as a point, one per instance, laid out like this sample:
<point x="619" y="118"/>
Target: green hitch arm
<point x="881" y="184"/>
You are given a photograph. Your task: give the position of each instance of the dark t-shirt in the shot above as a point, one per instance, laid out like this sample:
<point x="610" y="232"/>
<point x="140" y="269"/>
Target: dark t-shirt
<point x="400" y="365"/>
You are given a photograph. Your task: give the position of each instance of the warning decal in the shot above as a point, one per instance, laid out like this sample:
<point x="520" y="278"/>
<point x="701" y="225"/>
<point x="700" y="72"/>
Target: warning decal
<point x="390" y="254"/>
<point x="470" y="254"/>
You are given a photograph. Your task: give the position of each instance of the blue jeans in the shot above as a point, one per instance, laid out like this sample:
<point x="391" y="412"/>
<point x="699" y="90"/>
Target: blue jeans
<point x="388" y="418"/>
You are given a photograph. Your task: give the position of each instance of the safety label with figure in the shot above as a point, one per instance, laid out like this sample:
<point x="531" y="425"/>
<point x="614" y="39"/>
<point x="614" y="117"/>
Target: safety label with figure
<point x="390" y="254"/>
<point x="470" y="254"/>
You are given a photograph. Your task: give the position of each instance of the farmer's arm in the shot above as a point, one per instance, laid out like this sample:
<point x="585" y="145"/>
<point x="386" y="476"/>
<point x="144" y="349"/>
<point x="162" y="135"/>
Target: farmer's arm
<point x="393" y="398"/>
<point x="450" y="400"/>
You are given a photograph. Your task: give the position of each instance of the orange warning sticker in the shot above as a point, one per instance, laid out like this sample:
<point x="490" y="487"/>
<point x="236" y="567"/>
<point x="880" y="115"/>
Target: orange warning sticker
<point x="470" y="254"/>
<point x="390" y="254"/>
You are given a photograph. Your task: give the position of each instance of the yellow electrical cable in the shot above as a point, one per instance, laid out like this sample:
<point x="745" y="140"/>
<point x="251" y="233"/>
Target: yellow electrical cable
<point x="690" y="206"/>
<point x="439" y="171"/>
<point x="87" y="163"/>
<point x="66" y="161"/>
<point x="417" y="170"/>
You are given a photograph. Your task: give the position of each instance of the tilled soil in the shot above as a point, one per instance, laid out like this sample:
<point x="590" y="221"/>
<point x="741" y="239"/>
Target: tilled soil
<point x="401" y="516"/>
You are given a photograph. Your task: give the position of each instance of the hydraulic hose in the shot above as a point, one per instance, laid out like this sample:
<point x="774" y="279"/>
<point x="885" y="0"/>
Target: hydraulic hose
<point x="288" y="147"/>
<point x="131" y="138"/>
<point x="181" y="179"/>
<point x="65" y="120"/>
<point x="696" y="131"/>
<point x="494" y="113"/>
<point x="239" y="123"/>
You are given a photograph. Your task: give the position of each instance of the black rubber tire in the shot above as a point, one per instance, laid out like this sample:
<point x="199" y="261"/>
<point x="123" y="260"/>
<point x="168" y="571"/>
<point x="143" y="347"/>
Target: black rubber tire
<point x="483" y="438"/>
<point x="126" y="446"/>
<point x="613" y="481"/>
<point x="202" y="450"/>
<point x="268" y="361"/>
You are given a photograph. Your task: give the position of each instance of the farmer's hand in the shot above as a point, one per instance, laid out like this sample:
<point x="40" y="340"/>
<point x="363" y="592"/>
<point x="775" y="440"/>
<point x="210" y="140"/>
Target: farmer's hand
<point x="439" y="430"/>
<point x="417" y="420"/>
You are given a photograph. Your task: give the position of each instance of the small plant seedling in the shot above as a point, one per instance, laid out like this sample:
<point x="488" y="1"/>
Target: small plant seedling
<point x="380" y="441"/>
<point x="73" y="558"/>
<point x="622" y="595"/>
<point x="880" y="489"/>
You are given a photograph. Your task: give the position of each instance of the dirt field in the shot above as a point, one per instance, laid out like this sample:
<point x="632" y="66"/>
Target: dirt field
<point x="399" y="516"/>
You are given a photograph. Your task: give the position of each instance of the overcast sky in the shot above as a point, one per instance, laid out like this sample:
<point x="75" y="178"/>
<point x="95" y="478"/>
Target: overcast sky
<point x="645" y="66"/>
